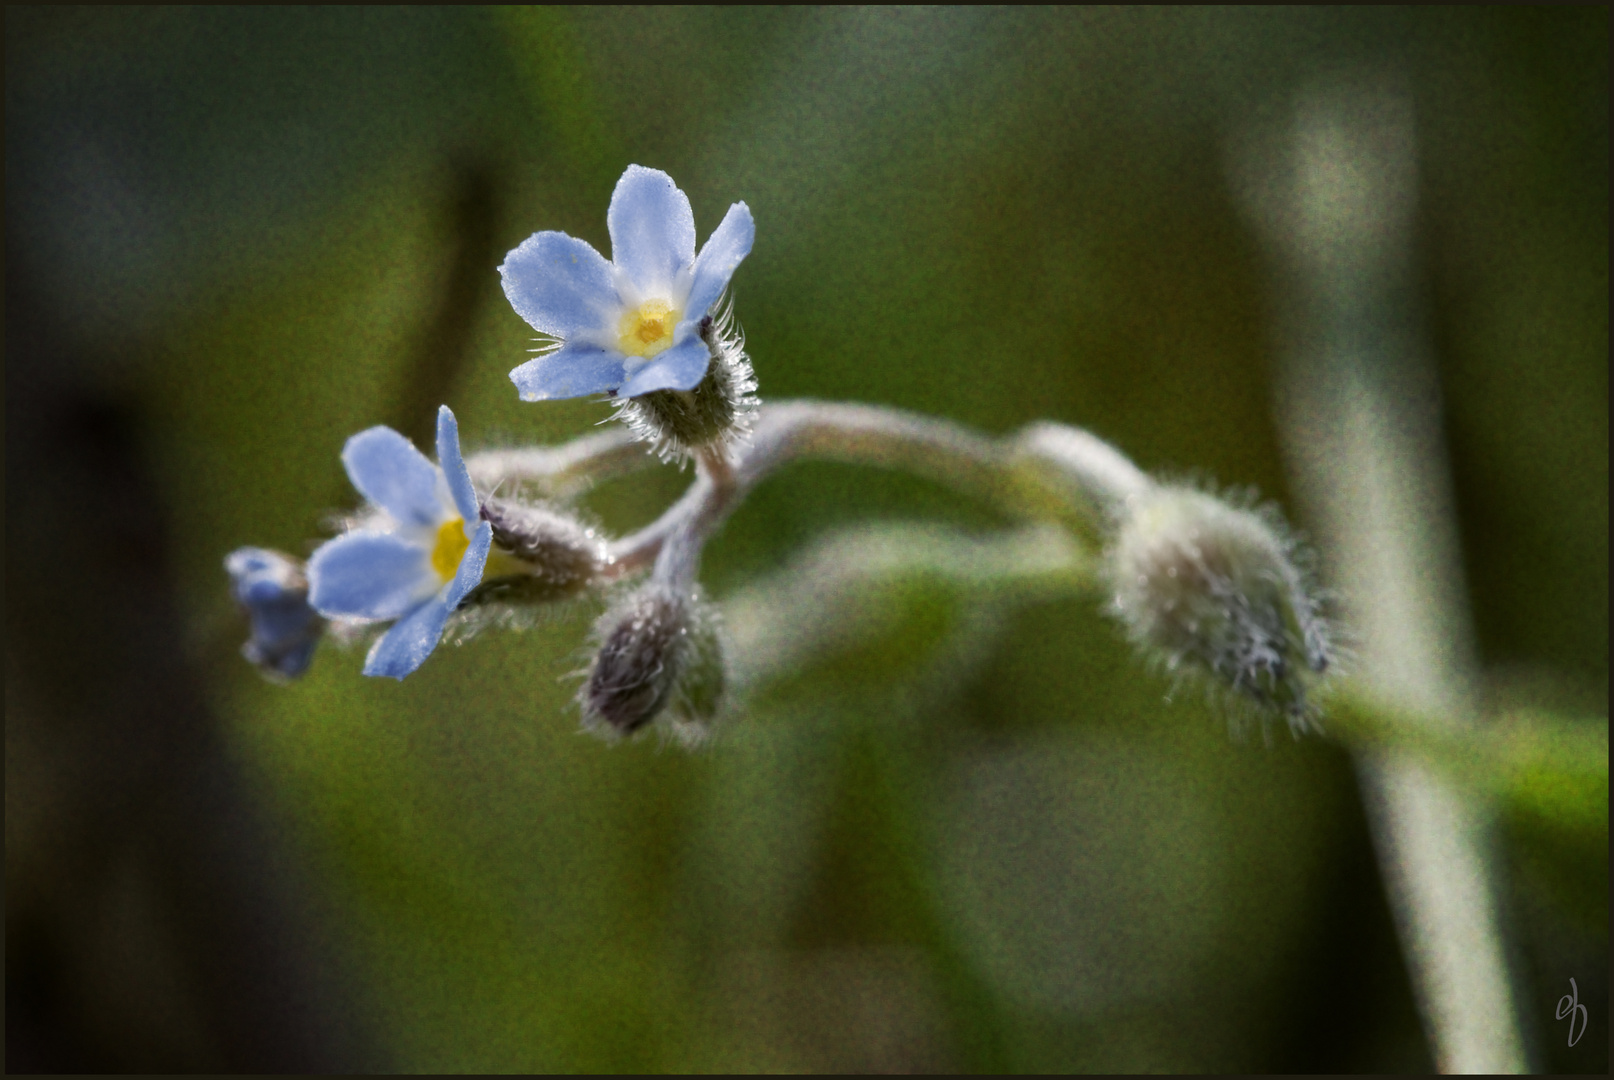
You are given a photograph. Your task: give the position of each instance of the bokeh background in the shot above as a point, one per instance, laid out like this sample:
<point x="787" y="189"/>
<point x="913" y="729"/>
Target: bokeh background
<point x="235" y="237"/>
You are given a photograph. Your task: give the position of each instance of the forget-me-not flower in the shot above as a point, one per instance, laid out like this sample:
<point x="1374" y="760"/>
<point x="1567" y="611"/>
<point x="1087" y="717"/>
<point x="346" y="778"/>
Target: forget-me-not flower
<point x="272" y="589"/>
<point x="631" y="325"/>
<point x="427" y="553"/>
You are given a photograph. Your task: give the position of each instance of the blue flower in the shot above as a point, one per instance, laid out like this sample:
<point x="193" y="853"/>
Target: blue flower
<point x="428" y="552"/>
<point x="632" y="325"/>
<point x="272" y="589"/>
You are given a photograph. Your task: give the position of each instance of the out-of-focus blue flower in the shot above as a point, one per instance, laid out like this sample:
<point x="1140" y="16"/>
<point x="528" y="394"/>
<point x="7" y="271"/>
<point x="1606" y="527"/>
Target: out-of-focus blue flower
<point x="427" y="553"/>
<point x="631" y="325"/>
<point x="274" y="592"/>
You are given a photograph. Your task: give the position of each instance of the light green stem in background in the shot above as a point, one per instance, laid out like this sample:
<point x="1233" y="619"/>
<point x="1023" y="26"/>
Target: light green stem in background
<point x="856" y="586"/>
<point x="1551" y="767"/>
<point x="1335" y="194"/>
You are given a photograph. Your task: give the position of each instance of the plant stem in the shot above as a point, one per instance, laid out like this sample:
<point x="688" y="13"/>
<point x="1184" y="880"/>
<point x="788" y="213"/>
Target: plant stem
<point x="1051" y="472"/>
<point x="564" y="469"/>
<point x="1358" y="405"/>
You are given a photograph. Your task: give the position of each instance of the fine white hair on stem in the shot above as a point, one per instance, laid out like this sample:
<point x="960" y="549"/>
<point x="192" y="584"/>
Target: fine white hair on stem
<point x="561" y="470"/>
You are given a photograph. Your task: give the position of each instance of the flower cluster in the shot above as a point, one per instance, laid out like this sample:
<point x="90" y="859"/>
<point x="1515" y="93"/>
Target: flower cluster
<point x="1199" y="583"/>
<point x="646" y="327"/>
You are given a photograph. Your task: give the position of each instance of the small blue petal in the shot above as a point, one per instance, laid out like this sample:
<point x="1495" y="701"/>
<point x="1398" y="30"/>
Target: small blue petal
<point x="573" y="370"/>
<point x="395" y="476"/>
<point x="453" y="465"/>
<point x="369" y="575"/>
<point x="285" y="629"/>
<point x="560" y="285"/>
<point x="679" y="368"/>
<point x="652" y="229"/>
<point x="405" y="647"/>
<point x="719" y="258"/>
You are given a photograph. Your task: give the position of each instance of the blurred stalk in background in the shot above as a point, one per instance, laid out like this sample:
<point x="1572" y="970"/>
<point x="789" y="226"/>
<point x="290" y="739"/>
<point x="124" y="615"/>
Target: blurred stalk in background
<point x="1359" y="407"/>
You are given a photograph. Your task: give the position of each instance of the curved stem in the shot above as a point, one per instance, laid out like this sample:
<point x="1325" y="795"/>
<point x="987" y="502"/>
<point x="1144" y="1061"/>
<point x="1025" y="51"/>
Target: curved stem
<point x="870" y="435"/>
<point x="1049" y="472"/>
<point x="565" y="469"/>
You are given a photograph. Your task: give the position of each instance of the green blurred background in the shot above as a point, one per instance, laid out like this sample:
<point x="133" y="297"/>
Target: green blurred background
<point x="246" y="234"/>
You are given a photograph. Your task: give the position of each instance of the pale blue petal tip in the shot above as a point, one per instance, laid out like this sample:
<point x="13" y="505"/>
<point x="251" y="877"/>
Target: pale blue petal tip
<point x="652" y="229"/>
<point x="405" y="647"/>
<point x="392" y="474"/>
<point x="559" y="284"/>
<point x="369" y="575"/>
<point x="725" y="249"/>
<point x="453" y="465"/>
<point x="681" y="367"/>
<point x="574" y="370"/>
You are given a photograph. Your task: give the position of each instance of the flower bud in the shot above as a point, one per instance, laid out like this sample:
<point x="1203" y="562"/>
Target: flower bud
<point x="1203" y="584"/>
<point x="717" y="412"/>
<point x="659" y="656"/>
<point x="272" y="589"/>
<point x="538" y="556"/>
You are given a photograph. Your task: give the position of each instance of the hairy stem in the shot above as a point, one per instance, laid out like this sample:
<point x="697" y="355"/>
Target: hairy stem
<point x="565" y="469"/>
<point x="1051" y="472"/>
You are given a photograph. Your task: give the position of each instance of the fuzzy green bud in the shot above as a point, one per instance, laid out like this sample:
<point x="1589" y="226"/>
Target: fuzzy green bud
<point x="716" y="413"/>
<point x="659" y="656"/>
<point x="538" y="556"/>
<point x="1205" y="585"/>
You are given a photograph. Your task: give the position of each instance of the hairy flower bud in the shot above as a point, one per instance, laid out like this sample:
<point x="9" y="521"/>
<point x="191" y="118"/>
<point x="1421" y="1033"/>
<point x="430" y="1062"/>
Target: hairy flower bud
<point x="538" y="556"/>
<point x="659" y="656"/>
<point x="273" y="590"/>
<point x="1208" y="585"/>
<point x="717" y="412"/>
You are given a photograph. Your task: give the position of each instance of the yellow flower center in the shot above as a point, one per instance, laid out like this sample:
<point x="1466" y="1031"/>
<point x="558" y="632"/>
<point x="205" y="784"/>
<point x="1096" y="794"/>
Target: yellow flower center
<point x="647" y="329"/>
<point x="450" y="549"/>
